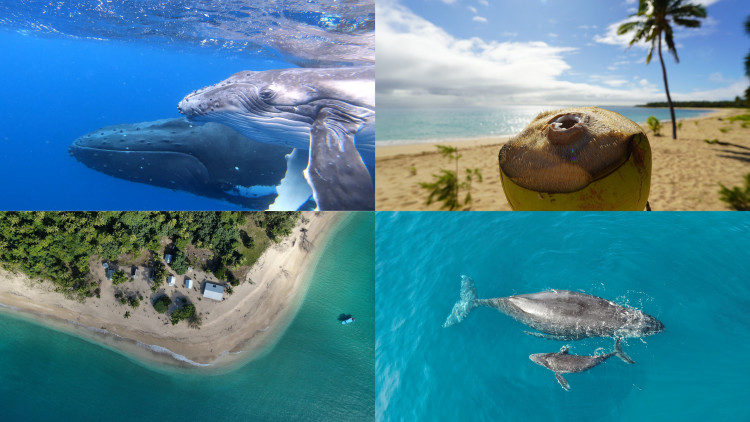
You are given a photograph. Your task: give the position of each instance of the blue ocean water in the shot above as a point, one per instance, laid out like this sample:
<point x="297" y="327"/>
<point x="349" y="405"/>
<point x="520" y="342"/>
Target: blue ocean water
<point x="69" y="68"/>
<point x="408" y="126"/>
<point x="689" y="270"/>
<point x="320" y="370"/>
<point x="59" y="89"/>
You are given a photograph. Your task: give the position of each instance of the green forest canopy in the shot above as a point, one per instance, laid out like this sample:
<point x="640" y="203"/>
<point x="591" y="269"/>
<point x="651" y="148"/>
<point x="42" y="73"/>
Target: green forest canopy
<point x="58" y="245"/>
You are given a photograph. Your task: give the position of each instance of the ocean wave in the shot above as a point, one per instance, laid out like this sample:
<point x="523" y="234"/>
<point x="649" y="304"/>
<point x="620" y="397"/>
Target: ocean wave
<point x="307" y="32"/>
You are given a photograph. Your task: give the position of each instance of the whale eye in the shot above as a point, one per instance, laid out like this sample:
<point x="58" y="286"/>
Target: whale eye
<point x="267" y="94"/>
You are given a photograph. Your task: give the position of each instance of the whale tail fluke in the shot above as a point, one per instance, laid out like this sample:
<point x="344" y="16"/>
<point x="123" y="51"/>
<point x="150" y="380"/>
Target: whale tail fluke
<point x="620" y="354"/>
<point x="465" y="304"/>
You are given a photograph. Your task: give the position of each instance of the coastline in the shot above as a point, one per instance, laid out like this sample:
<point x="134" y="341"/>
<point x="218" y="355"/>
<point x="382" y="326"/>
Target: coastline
<point x="685" y="173"/>
<point x="243" y="327"/>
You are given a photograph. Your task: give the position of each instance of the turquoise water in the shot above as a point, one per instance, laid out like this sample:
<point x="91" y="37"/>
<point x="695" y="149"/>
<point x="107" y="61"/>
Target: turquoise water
<point x="406" y="126"/>
<point x="690" y="270"/>
<point x="320" y="370"/>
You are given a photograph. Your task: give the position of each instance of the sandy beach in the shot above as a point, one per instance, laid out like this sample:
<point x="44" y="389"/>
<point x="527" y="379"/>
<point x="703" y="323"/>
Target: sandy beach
<point x="237" y="328"/>
<point x="686" y="172"/>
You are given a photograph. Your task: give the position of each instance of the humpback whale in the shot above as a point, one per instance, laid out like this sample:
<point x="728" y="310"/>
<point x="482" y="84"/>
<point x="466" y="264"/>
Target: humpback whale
<point x="330" y="113"/>
<point x="560" y="314"/>
<point x="563" y="363"/>
<point x="210" y="160"/>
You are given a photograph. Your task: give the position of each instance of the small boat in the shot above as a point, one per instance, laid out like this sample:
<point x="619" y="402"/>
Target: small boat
<point x="348" y="321"/>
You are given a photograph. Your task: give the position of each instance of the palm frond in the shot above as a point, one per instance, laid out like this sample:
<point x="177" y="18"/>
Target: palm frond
<point x="688" y="23"/>
<point x="669" y="39"/>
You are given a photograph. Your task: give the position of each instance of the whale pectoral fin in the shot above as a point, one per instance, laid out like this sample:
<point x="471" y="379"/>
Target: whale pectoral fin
<point x="620" y="354"/>
<point x="547" y="336"/>
<point x="335" y="171"/>
<point x="563" y="382"/>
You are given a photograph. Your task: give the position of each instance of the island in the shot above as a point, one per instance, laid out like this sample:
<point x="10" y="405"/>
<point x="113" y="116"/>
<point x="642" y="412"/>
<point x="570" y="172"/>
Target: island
<point x="190" y="288"/>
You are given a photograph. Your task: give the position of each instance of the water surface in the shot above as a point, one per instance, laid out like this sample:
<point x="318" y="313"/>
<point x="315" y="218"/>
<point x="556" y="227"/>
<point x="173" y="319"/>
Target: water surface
<point x="319" y="370"/>
<point x="689" y="270"/>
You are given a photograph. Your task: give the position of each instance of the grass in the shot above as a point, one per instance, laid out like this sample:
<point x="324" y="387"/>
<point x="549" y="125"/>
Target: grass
<point x="741" y="117"/>
<point x="725" y="129"/>
<point x="261" y="242"/>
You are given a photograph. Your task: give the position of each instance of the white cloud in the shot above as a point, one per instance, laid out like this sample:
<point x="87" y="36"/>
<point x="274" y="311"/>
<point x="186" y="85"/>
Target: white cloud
<point x="479" y="19"/>
<point x="420" y="64"/>
<point x="704" y="2"/>
<point x="510" y="34"/>
<point x="472" y="9"/>
<point x="615" y="82"/>
<point x="736" y="89"/>
<point x="552" y="35"/>
<point x="610" y="36"/>
<point x="708" y="25"/>
<point x="449" y="1"/>
<point x="483" y="2"/>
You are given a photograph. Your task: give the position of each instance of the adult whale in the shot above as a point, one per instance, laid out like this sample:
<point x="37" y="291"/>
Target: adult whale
<point x="330" y="113"/>
<point x="563" y="362"/>
<point x="560" y="314"/>
<point x="210" y="160"/>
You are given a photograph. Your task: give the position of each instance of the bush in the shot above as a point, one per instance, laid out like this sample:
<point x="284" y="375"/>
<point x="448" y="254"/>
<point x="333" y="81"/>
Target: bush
<point x="160" y="273"/>
<point x="737" y="198"/>
<point x="179" y="262"/>
<point x="186" y="311"/>
<point x="119" y="277"/>
<point x="161" y="304"/>
<point x="654" y="124"/>
<point x="220" y="271"/>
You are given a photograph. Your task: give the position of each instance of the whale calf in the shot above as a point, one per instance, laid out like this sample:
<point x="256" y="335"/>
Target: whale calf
<point x="563" y="362"/>
<point x="330" y="113"/>
<point x="211" y="160"/>
<point x="560" y="314"/>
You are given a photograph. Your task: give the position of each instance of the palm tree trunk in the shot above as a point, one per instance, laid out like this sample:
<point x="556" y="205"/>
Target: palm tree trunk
<point x="666" y="88"/>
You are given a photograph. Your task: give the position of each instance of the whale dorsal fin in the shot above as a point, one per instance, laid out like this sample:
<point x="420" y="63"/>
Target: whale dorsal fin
<point x="563" y="382"/>
<point x="564" y="350"/>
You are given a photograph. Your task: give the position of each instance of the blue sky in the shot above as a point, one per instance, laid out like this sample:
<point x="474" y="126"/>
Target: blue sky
<point x="442" y="53"/>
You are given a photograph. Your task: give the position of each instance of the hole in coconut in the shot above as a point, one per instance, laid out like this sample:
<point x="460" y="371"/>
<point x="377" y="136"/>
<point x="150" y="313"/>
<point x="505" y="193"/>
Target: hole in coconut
<point x="566" y="121"/>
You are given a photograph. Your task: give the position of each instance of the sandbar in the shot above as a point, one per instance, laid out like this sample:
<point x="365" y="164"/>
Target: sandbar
<point x="239" y="328"/>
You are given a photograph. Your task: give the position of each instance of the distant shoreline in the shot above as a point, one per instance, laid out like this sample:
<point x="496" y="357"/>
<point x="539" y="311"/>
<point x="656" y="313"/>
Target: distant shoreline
<point x="382" y="147"/>
<point x="242" y="327"/>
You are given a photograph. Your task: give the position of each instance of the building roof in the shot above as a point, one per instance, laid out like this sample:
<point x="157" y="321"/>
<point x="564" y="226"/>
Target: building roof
<point x="213" y="291"/>
<point x="170" y="280"/>
<point x="168" y="258"/>
<point x="188" y="283"/>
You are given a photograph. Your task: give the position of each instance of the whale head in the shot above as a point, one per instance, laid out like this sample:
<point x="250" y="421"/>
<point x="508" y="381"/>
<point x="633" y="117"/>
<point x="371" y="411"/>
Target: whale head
<point x="276" y="106"/>
<point x="640" y="325"/>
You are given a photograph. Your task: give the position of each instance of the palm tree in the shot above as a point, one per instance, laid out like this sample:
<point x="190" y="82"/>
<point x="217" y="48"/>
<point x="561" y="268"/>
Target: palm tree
<point x="747" y="63"/>
<point x="747" y="58"/>
<point x="655" y="17"/>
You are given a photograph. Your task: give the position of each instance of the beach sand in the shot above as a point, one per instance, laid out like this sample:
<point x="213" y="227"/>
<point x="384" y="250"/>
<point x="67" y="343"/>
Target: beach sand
<point x="238" y="328"/>
<point x="685" y="172"/>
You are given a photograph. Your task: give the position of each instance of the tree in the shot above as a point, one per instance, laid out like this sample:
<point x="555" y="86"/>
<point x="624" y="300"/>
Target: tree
<point x="654" y="22"/>
<point x="162" y="304"/>
<point x="119" y="277"/>
<point x="747" y="58"/>
<point x="179" y="262"/>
